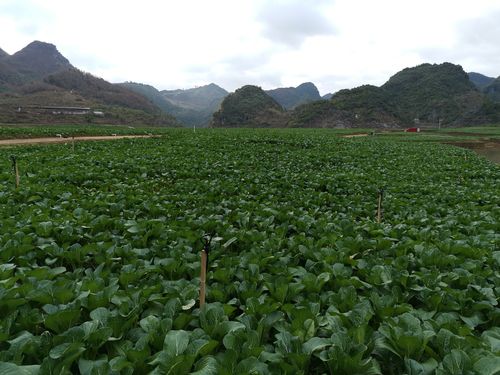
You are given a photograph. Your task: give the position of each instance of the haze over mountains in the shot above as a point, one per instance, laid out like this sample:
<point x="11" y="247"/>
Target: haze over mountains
<point x="192" y="107"/>
<point x="38" y="78"/>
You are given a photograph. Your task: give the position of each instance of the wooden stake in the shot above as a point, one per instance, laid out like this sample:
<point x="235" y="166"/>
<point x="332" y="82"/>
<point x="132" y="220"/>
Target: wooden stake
<point x="379" y="207"/>
<point x="203" y="277"/>
<point x="16" y="170"/>
<point x="73" y="144"/>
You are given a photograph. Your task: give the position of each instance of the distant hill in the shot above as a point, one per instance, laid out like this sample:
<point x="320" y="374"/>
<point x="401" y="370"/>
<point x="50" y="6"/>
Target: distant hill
<point x="291" y="97"/>
<point x="35" y="61"/>
<point x="249" y="106"/>
<point x="39" y="76"/>
<point x="327" y="96"/>
<point x="195" y="106"/>
<point x="98" y="89"/>
<point x="430" y="92"/>
<point x="480" y="80"/>
<point x="426" y="94"/>
<point x="493" y="90"/>
<point x="31" y="63"/>
<point x="364" y="106"/>
<point x="152" y="94"/>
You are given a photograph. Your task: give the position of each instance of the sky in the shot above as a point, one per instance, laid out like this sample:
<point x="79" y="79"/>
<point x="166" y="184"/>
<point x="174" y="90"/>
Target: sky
<point x="335" y="44"/>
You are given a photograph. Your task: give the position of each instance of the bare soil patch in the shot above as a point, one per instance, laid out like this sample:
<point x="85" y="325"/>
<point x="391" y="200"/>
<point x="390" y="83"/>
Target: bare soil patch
<point x="47" y="140"/>
<point x="355" y="135"/>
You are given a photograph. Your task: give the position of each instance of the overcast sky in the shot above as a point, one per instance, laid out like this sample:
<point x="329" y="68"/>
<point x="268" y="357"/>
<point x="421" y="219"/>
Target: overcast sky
<point x="185" y="43"/>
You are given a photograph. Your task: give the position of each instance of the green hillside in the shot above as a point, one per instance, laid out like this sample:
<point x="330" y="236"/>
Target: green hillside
<point x="195" y="106"/>
<point x="39" y="76"/>
<point x="480" y="80"/>
<point x="432" y="92"/>
<point x="249" y="106"/>
<point x="428" y="94"/>
<point x="493" y="90"/>
<point x="150" y="93"/>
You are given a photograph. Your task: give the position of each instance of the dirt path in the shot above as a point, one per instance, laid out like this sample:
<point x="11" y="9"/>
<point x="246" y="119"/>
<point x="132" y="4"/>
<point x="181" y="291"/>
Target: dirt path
<point x="355" y="135"/>
<point x="36" y="141"/>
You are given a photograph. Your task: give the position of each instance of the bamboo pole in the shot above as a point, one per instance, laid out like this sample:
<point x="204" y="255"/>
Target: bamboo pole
<point x="17" y="176"/>
<point x="203" y="276"/>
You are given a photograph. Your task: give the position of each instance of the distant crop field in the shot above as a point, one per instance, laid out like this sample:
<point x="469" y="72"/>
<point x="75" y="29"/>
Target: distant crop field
<point x="326" y="255"/>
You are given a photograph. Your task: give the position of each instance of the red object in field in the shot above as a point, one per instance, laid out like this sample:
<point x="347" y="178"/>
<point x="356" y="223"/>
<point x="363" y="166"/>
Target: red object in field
<point x="413" y="130"/>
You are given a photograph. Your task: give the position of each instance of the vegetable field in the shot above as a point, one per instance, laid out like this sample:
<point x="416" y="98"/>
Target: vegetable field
<point x="100" y="256"/>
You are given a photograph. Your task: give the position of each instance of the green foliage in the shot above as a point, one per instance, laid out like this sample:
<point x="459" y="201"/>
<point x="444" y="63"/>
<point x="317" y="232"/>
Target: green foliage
<point x="427" y="93"/>
<point x="369" y="105"/>
<point x="431" y="92"/>
<point x="99" y="256"/>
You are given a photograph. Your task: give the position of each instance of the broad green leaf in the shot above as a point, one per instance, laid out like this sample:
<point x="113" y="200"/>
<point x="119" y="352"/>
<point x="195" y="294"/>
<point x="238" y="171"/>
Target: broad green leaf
<point x="457" y="362"/>
<point x="315" y="343"/>
<point x="229" y="242"/>
<point x="150" y="324"/>
<point x="251" y="366"/>
<point x="13" y="369"/>
<point x="176" y="342"/>
<point x="89" y="367"/>
<point x="488" y="365"/>
<point x="415" y="368"/>
<point x="492" y="337"/>
<point x="206" y="366"/>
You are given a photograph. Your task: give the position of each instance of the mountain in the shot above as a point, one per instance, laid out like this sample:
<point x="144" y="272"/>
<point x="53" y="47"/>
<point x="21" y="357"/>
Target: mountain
<point x="191" y="107"/>
<point x="364" y="106"/>
<point x="38" y="77"/>
<point x="98" y="89"/>
<point x="36" y="60"/>
<point x="291" y="97"/>
<point x="426" y="94"/>
<point x="327" y="96"/>
<point x="152" y="94"/>
<point x="3" y="53"/>
<point x="480" y="80"/>
<point x="196" y="98"/>
<point x="493" y="90"/>
<point x="195" y="106"/>
<point x="430" y="92"/>
<point x="249" y="106"/>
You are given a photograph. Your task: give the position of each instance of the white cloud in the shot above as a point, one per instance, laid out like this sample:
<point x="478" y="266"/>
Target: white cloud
<point x="291" y="22"/>
<point x="333" y="43"/>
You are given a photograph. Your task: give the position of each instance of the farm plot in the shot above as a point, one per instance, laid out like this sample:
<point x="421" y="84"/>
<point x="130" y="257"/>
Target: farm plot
<point x="100" y="257"/>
